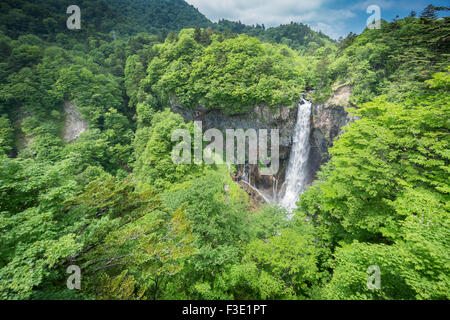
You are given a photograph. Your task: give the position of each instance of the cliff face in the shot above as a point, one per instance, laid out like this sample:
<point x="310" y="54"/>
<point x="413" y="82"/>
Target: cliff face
<point x="327" y="121"/>
<point x="74" y="125"/>
<point x="261" y="117"/>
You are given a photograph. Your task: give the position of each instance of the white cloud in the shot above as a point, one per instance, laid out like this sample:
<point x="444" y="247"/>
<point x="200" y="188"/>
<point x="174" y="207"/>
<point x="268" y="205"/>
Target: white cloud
<point x="383" y="4"/>
<point x="251" y="9"/>
<point x="275" y="12"/>
<point x="333" y="31"/>
<point x="333" y="17"/>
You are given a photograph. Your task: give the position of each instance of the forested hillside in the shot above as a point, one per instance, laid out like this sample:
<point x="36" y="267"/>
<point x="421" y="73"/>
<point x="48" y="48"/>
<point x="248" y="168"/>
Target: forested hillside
<point x="296" y="35"/>
<point x="140" y="226"/>
<point x="395" y="60"/>
<point x="231" y="74"/>
<point x="47" y="19"/>
<point x="123" y="16"/>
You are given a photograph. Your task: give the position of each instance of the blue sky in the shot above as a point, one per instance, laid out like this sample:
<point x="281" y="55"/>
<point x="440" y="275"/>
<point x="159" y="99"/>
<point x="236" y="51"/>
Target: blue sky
<point x="334" y="18"/>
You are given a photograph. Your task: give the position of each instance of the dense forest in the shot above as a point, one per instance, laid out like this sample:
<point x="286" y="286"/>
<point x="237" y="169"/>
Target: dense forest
<point x="140" y="226"/>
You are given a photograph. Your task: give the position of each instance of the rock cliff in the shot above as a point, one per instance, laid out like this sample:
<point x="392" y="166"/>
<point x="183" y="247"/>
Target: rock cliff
<point x="327" y="121"/>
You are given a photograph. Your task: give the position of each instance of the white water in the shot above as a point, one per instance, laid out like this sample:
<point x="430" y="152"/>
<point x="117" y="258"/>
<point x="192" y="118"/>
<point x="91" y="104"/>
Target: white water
<point x="257" y="191"/>
<point x="296" y="174"/>
<point x="275" y="189"/>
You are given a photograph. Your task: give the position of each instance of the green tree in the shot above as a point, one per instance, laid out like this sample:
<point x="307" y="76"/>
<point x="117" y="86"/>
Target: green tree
<point x="6" y="135"/>
<point x="384" y="198"/>
<point x="155" y="165"/>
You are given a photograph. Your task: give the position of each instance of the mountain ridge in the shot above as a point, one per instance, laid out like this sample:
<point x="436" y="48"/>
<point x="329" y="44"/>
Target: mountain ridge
<point x="48" y="18"/>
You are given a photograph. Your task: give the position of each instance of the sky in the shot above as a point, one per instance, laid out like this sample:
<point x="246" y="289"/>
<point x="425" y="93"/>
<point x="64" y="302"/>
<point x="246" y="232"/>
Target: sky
<point x="334" y="18"/>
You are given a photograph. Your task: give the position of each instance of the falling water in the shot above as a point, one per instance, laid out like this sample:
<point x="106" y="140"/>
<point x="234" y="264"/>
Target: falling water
<point x="275" y="189"/>
<point x="296" y="174"/>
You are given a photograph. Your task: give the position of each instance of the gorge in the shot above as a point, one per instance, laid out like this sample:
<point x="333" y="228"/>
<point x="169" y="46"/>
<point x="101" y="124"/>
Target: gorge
<point x="88" y="180"/>
<point x="307" y="131"/>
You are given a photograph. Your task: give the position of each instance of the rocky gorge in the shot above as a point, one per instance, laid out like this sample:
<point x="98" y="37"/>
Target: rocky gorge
<point x="326" y="123"/>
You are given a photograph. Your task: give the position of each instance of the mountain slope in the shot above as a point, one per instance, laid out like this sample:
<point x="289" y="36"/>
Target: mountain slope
<point x="156" y="14"/>
<point x="48" y="17"/>
<point x="296" y="35"/>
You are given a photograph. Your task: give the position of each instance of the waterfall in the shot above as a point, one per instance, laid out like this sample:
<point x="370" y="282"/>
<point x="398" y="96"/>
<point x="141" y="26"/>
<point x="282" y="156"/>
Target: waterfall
<point x="297" y="169"/>
<point x="257" y="191"/>
<point x="275" y="189"/>
<point x="296" y="174"/>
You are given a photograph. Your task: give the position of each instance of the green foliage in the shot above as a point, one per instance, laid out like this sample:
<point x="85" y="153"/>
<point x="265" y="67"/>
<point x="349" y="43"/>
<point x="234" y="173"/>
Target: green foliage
<point x="298" y="36"/>
<point x="219" y="228"/>
<point x="122" y="287"/>
<point x="384" y="61"/>
<point x="232" y="75"/>
<point x="266" y="222"/>
<point x="125" y="17"/>
<point x="35" y="233"/>
<point x="25" y="56"/>
<point x="93" y="93"/>
<point x="281" y="267"/>
<point x="387" y="187"/>
<point x="6" y="135"/>
<point x="415" y="267"/>
<point x="152" y="14"/>
<point x="155" y="165"/>
<point x="440" y="80"/>
<point x="41" y="80"/>
<point x="134" y="73"/>
<point x="140" y="226"/>
<point x="153" y="248"/>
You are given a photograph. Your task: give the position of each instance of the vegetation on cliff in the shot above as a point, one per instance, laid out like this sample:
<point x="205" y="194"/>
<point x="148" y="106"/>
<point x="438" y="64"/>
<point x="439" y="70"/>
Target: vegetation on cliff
<point x="142" y="227"/>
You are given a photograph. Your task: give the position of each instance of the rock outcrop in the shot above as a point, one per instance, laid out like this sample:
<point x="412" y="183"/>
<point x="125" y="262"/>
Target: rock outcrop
<point x="261" y="117"/>
<point x="327" y="121"/>
<point x="74" y="125"/>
